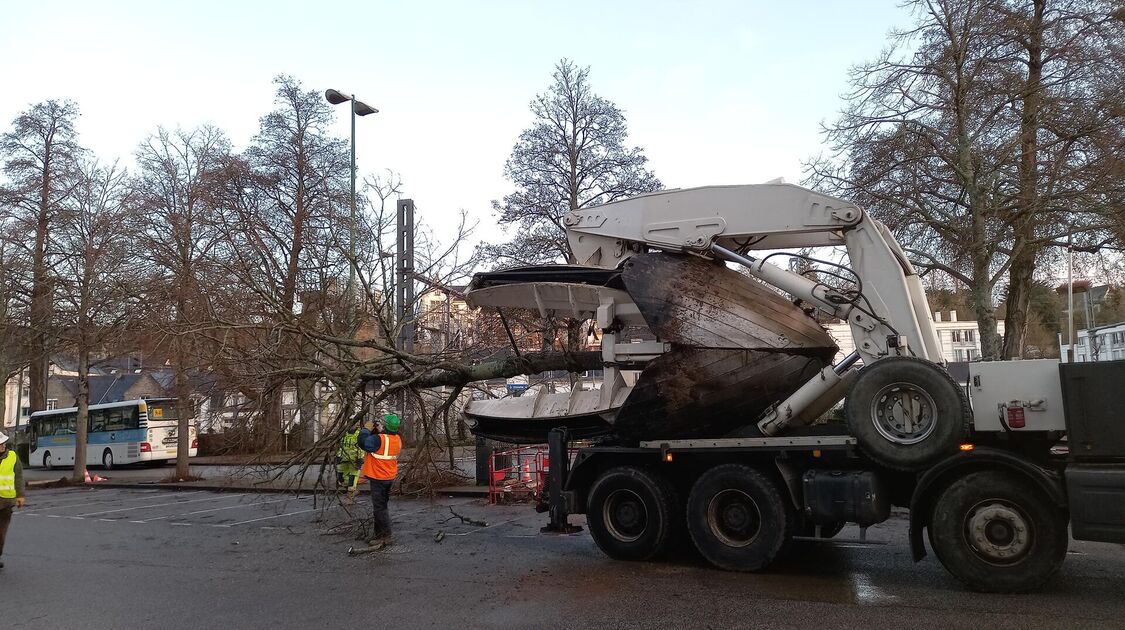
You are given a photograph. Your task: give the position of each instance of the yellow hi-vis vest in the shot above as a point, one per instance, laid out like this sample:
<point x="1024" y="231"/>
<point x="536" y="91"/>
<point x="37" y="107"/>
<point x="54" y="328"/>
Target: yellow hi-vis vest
<point x="8" y="475"/>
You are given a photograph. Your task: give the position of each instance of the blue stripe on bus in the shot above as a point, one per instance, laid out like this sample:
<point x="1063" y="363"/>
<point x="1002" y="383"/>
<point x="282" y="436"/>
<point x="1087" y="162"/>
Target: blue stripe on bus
<point x="110" y="437"/>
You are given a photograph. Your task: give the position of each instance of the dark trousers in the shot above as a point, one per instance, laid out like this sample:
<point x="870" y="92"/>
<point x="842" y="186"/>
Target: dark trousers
<point x="380" y="495"/>
<point x="5" y="518"/>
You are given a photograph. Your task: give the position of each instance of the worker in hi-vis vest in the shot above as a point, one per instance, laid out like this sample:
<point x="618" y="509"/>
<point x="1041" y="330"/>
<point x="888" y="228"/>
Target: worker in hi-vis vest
<point x="12" y="488"/>
<point x="349" y="458"/>
<point x="380" y="467"/>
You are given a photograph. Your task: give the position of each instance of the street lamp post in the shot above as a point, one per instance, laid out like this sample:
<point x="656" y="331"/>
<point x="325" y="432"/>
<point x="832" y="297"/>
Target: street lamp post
<point x="359" y="108"/>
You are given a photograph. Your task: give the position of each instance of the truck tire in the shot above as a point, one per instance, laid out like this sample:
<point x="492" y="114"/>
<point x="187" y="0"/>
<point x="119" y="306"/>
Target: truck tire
<point x="998" y="533"/>
<point x="906" y="413"/>
<point x="738" y="518"/>
<point x="632" y="513"/>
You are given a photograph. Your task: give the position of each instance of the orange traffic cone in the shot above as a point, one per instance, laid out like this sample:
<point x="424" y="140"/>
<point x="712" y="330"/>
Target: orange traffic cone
<point x="98" y="477"/>
<point x="87" y="473"/>
<point x="527" y="472"/>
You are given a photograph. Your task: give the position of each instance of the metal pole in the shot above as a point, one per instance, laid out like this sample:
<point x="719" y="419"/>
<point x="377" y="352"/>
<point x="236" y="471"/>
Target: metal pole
<point x="351" y="249"/>
<point x="1070" y="295"/>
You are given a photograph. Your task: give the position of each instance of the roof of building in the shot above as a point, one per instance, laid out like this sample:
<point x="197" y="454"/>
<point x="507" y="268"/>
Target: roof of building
<point x="104" y="388"/>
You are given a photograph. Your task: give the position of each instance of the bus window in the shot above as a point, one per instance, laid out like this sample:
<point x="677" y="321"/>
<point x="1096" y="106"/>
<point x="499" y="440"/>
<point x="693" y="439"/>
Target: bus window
<point x="113" y="420"/>
<point x="130" y="418"/>
<point x="162" y="411"/>
<point x="97" y="420"/>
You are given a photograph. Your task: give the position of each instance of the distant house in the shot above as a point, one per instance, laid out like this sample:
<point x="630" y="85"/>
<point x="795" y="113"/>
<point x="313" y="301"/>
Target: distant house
<point x="959" y="340"/>
<point x="62" y="391"/>
<point x="1104" y="343"/>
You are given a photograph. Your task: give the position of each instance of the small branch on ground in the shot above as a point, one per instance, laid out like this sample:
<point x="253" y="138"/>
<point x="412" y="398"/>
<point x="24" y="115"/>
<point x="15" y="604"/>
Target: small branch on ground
<point x="464" y="519"/>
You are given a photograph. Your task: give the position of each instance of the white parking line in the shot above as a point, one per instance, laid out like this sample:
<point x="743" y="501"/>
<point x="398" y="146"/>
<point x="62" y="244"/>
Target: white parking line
<point x="264" y="518"/>
<point x="145" y="507"/>
<point x="154" y="496"/>
<point x="229" y="507"/>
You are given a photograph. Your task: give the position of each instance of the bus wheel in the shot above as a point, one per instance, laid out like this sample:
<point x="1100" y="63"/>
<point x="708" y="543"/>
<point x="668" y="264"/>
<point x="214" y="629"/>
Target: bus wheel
<point x="107" y="459"/>
<point x="632" y="513"/>
<point x="738" y="518"/>
<point x="998" y="533"/>
<point x="47" y="461"/>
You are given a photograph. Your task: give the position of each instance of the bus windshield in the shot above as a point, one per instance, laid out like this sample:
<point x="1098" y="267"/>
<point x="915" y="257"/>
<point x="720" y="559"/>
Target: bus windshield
<point x="162" y="411"/>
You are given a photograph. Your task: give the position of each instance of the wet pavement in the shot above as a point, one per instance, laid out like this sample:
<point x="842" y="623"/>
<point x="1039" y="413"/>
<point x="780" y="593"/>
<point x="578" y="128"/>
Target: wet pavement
<point x="125" y="558"/>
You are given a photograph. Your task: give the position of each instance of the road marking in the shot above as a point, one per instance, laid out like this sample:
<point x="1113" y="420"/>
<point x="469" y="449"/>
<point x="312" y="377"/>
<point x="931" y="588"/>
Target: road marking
<point x="145" y="507"/>
<point x="110" y="500"/>
<point x="229" y="507"/>
<point x="867" y="594"/>
<point x="265" y="518"/>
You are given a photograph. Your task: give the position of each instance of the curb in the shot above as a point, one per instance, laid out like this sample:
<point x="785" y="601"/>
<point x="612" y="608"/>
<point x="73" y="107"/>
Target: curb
<point x="468" y="492"/>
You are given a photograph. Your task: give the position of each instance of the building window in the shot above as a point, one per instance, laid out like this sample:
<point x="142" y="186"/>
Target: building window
<point x="25" y="411"/>
<point x="26" y="391"/>
<point x="970" y="335"/>
<point x="957" y="337"/>
<point x="958" y="355"/>
<point x="52" y="403"/>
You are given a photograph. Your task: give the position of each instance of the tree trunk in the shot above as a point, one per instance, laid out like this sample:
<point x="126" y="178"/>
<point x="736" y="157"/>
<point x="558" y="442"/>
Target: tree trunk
<point x="306" y="410"/>
<point x="1025" y="251"/>
<point x="80" y="435"/>
<point x="41" y="310"/>
<point x="183" y="415"/>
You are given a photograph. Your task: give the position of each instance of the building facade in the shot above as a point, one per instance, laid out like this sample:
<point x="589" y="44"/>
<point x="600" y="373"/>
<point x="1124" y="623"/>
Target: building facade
<point x="1104" y="343"/>
<point x="960" y="340"/>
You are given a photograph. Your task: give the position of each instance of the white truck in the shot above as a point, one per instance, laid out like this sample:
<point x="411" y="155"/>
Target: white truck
<point x="994" y="467"/>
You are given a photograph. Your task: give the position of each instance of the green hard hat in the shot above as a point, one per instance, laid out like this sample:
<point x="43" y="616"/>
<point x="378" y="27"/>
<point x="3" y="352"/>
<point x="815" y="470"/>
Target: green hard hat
<point x="392" y="422"/>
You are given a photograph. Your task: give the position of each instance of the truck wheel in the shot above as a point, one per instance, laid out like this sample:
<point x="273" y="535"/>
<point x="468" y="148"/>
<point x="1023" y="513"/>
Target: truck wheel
<point x="632" y="513"/>
<point x="906" y="413"/>
<point x="738" y="518"/>
<point x="998" y="533"/>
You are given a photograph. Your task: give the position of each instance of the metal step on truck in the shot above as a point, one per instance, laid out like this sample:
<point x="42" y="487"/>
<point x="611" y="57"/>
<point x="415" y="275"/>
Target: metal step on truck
<point x="716" y="378"/>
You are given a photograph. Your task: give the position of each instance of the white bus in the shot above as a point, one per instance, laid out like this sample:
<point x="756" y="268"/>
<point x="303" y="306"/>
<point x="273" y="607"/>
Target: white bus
<point x="118" y="433"/>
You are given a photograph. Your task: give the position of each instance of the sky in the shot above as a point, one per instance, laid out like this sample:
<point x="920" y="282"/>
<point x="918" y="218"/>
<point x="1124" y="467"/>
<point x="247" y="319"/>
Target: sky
<point x="715" y="92"/>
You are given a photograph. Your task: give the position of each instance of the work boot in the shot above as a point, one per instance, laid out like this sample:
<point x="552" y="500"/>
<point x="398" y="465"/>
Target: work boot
<point x="380" y="540"/>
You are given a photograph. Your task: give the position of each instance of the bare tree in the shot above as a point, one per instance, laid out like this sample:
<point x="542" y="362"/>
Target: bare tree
<point x="976" y="137"/>
<point x="96" y="295"/>
<point x="284" y="200"/>
<point x="14" y="273"/>
<point x="574" y="156"/>
<point x="175" y="187"/>
<point x="1065" y="85"/>
<point x="40" y="155"/>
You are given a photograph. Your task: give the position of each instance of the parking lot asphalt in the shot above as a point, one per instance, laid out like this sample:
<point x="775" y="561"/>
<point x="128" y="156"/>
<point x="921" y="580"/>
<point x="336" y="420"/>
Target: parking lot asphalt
<point x="126" y="558"/>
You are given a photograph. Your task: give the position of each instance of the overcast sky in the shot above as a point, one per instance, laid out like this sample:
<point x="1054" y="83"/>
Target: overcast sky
<point x="715" y="92"/>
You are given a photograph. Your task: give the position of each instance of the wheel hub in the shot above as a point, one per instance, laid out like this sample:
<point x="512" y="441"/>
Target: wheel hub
<point x="734" y="518"/>
<point x="998" y="533"/>
<point x="903" y="413"/>
<point x="625" y="515"/>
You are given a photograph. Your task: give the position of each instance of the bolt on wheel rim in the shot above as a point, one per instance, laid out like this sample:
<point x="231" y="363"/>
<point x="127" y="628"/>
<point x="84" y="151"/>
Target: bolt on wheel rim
<point x="625" y="515"/>
<point x="903" y="413"/>
<point x="998" y="532"/>
<point x="734" y="518"/>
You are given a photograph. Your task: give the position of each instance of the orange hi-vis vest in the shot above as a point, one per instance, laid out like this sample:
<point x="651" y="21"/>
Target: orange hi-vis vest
<point x="383" y="465"/>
